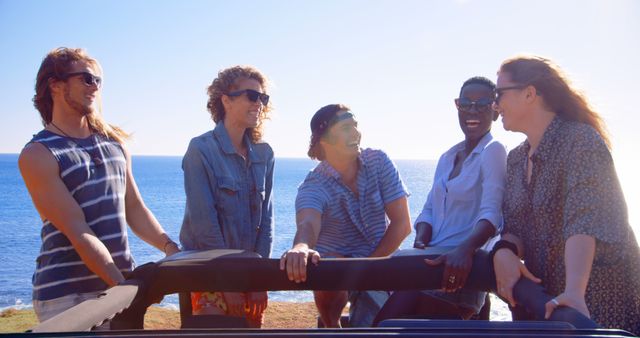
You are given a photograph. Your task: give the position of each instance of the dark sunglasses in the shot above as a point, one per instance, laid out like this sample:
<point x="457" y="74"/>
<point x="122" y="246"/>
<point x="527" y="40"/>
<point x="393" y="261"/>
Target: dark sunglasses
<point x="88" y="78"/>
<point x="483" y="105"/>
<point x="500" y="91"/>
<point x="252" y="95"/>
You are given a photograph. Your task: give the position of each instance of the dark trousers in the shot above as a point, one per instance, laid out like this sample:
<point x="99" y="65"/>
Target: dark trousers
<point x="530" y="296"/>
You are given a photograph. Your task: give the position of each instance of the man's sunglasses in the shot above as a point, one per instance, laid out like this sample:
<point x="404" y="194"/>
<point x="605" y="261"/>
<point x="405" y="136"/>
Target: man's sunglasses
<point x="252" y="95"/>
<point x="88" y="78"/>
<point x="484" y="105"/>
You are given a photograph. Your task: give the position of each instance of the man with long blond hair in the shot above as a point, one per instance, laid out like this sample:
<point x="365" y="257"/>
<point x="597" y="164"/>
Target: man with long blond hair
<point x="78" y="174"/>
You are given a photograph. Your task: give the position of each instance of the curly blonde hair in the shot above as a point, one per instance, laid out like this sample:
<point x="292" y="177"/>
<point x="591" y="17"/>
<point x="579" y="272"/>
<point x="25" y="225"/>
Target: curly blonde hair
<point x="225" y="83"/>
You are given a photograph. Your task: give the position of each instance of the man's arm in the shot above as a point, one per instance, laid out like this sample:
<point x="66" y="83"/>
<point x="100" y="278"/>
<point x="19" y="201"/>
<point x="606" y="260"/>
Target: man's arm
<point x="399" y="227"/>
<point x="295" y="260"/>
<point x="140" y="218"/>
<point x="53" y="201"/>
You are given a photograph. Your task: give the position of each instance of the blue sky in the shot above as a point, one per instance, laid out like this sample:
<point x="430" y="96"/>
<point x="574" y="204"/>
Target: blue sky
<point x="398" y="64"/>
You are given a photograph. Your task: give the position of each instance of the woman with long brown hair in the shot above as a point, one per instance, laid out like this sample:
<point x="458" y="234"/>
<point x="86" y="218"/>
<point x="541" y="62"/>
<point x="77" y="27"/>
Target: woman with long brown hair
<point x="564" y="211"/>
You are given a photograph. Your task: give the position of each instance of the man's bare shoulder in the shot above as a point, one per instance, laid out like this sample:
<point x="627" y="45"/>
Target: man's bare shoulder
<point x="36" y="158"/>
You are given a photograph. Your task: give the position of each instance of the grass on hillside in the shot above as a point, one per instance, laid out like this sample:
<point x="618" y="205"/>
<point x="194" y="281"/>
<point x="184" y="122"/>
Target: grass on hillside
<point x="278" y="315"/>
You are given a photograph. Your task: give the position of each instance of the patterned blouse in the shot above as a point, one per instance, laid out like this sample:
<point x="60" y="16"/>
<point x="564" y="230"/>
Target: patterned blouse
<point x="573" y="190"/>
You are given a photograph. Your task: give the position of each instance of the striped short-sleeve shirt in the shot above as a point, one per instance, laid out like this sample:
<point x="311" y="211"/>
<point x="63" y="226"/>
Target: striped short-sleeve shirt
<point x="352" y="226"/>
<point x="94" y="171"/>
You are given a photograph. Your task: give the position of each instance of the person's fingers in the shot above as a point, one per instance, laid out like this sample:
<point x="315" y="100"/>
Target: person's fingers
<point x="283" y="261"/>
<point x="506" y="292"/>
<point x="549" y="307"/>
<point x="315" y="257"/>
<point x="509" y="295"/>
<point x="525" y="272"/>
<point x="297" y="263"/>
<point x="458" y="272"/>
<point x="449" y="284"/>
<point x="290" y="263"/>
<point x="301" y="269"/>
<point x="293" y="267"/>
<point x="448" y="280"/>
<point x="418" y="245"/>
<point x="434" y="262"/>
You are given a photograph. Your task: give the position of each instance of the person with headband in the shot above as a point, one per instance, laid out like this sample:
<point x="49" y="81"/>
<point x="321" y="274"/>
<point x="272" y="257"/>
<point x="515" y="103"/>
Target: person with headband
<point x="353" y="204"/>
<point x="228" y="181"/>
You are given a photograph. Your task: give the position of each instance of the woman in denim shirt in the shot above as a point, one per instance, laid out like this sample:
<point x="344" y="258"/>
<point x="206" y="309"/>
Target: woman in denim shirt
<point x="228" y="178"/>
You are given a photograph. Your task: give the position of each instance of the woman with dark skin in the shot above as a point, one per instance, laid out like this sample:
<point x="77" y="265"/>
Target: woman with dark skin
<point x="462" y="211"/>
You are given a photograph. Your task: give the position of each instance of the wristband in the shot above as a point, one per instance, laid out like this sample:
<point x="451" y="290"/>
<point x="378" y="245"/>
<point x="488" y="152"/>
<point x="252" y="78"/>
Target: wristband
<point x="504" y="244"/>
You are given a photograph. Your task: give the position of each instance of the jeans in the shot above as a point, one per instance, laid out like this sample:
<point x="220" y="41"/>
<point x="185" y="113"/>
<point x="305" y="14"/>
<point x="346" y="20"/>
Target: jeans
<point x="364" y="306"/>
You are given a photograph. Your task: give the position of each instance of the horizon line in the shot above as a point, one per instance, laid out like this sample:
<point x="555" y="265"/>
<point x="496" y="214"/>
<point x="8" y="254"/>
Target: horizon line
<point x="277" y="157"/>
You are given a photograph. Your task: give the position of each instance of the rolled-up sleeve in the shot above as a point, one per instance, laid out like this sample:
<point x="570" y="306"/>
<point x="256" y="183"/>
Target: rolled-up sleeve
<point x="493" y="166"/>
<point x="200" y="227"/>
<point x="426" y="215"/>
<point x="265" y="234"/>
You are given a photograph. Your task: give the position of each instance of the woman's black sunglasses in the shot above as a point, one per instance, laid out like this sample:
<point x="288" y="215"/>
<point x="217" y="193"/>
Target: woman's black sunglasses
<point x="483" y="105"/>
<point x="252" y="95"/>
<point x="88" y="78"/>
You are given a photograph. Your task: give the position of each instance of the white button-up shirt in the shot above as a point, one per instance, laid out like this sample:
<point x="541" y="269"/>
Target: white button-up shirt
<point x="455" y="206"/>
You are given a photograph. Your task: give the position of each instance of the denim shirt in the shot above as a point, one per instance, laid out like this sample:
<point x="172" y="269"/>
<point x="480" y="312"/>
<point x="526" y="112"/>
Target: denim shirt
<point x="455" y="206"/>
<point x="229" y="203"/>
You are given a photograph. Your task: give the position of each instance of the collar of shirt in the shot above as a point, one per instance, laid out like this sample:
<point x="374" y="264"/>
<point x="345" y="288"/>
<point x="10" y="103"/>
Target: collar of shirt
<point x="221" y="134"/>
<point x="548" y="143"/>
<point x="486" y="139"/>
<point x="325" y="169"/>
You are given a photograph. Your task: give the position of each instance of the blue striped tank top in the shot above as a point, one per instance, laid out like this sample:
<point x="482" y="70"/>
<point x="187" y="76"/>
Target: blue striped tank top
<point x="94" y="170"/>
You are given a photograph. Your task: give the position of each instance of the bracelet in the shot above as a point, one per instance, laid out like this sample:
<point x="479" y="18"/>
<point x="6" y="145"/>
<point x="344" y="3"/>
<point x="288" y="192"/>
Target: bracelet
<point x="503" y="244"/>
<point x="169" y="241"/>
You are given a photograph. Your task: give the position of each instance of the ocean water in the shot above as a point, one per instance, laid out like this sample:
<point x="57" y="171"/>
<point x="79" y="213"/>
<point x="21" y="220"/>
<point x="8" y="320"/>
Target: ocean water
<point x="160" y="182"/>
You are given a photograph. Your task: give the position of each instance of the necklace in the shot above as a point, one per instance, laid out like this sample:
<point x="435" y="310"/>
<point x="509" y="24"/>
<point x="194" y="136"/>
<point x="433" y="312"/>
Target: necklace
<point x="97" y="161"/>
